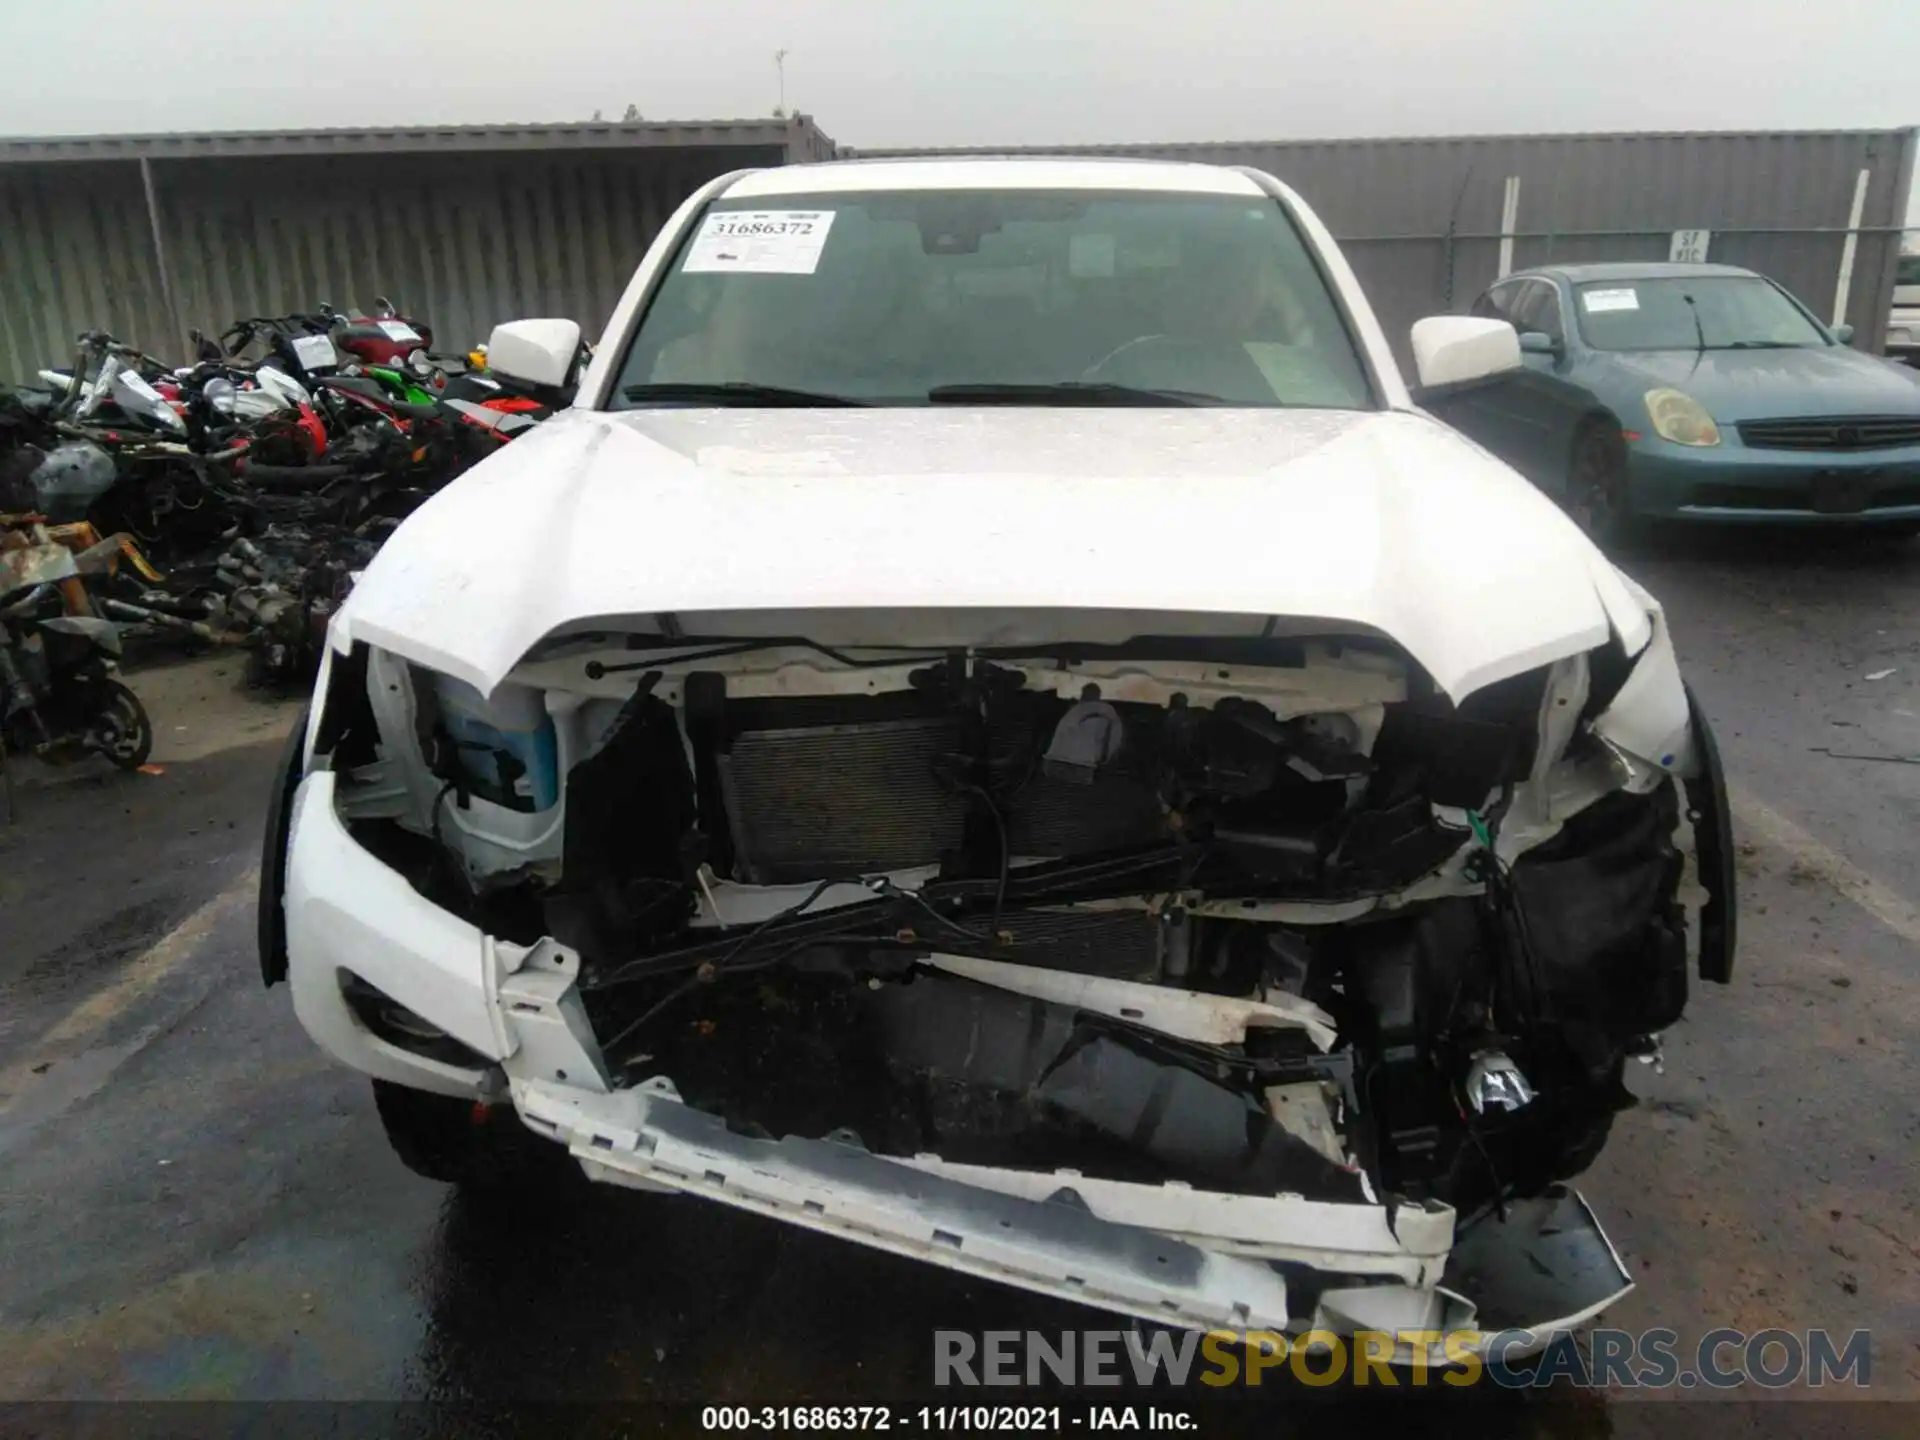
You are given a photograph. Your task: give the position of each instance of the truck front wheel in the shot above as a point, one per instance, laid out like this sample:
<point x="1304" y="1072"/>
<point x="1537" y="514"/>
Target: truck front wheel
<point x="461" y="1142"/>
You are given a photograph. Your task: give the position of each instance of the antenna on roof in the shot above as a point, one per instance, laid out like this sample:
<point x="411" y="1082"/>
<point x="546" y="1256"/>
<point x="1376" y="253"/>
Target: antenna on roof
<point x="780" y="70"/>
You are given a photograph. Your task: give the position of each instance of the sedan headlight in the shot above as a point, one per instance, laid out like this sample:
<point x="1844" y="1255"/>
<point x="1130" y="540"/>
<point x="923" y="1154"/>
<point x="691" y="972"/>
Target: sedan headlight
<point x="1678" y="417"/>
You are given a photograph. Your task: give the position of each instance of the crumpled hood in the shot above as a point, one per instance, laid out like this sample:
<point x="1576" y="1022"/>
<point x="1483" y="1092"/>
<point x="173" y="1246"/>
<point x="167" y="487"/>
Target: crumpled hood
<point x="1382" y="521"/>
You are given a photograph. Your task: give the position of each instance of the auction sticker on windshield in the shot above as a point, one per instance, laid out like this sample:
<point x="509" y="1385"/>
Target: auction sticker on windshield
<point x="762" y="242"/>
<point x="1598" y="302"/>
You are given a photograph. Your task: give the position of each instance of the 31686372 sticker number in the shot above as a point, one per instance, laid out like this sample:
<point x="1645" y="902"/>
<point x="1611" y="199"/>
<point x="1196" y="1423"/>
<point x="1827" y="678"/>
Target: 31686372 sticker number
<point x="763" y="242"/>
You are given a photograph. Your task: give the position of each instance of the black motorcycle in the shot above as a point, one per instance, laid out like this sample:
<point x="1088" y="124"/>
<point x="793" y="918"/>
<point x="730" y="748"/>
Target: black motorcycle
<point x="58" y="696"/>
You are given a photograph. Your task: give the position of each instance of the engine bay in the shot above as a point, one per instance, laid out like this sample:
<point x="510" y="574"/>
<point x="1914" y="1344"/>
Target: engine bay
<point x="1260" y="916"/>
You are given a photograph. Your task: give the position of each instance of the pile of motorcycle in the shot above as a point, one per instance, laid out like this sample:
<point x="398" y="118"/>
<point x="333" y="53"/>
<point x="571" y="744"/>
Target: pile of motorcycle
<point x="240" y="494"/>
<point x="59" y="698"/>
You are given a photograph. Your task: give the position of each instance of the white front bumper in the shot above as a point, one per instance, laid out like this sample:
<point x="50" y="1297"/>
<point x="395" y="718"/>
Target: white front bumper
<point x="1167" y="1253"/>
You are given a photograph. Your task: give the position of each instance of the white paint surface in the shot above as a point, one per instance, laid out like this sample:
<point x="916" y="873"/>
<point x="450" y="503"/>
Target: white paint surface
<point x="995" y="526"/>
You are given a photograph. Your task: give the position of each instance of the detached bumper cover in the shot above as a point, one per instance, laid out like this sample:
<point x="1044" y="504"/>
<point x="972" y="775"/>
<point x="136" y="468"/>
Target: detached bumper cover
<point x="1166" y="1253"/>
<point x="1544" y="1269"/>
<point x="1054" y="1247"/>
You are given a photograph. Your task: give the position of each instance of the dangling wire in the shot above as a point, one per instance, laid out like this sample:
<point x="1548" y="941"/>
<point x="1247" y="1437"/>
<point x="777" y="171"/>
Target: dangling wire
<point x="746" y="937"/>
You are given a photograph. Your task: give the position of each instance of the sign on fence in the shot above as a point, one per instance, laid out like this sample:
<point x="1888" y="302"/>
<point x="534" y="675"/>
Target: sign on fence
<point x="1689" y="245"/>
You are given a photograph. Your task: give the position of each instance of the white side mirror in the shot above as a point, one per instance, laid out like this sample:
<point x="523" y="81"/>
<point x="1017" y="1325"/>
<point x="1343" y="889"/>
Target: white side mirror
<point x="540" y="352"/>
<point x="1450" y="350"/>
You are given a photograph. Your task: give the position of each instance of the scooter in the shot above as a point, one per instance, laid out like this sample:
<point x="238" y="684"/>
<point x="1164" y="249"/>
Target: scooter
<point x="58" y="696"/>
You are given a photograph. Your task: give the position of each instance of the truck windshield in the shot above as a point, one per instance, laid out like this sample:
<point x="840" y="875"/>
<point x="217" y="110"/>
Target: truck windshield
<point x="1735" y="312"/>
<point x="918" y="297"/>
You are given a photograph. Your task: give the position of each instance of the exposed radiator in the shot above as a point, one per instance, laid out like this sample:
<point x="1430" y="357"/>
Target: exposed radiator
<point x="1054" y="818"/>
<point x="807" y="802"/>
<point x="804" y="804"/>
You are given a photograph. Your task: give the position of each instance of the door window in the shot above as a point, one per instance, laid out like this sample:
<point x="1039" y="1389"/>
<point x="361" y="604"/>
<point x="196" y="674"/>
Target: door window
<point x="1539" y="310"/>
<point x="1497" y="303"/>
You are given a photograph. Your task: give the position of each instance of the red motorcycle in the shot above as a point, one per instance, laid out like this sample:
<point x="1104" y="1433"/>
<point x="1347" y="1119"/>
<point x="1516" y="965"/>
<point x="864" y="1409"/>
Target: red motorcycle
<point x="385" y="337"/>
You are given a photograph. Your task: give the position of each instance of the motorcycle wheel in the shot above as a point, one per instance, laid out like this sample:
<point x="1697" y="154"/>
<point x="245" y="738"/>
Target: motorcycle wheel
<point x="121" y="730"/>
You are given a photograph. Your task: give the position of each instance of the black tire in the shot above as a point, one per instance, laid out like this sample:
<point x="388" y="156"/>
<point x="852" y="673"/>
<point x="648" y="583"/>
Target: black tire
<point x="123" y="732"/>
<point x="1596" y="493"/>
<point x="271" y="919"/>
<point x="294" y="478"/>
<point x="461" y="1142"/>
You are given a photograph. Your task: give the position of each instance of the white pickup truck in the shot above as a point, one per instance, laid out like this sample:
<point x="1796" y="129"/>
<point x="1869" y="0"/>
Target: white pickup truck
<point x="996" y="729"/>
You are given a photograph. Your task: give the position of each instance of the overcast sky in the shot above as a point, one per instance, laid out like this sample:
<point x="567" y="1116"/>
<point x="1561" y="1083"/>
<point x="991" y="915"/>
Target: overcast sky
<point x="910" y="72"/>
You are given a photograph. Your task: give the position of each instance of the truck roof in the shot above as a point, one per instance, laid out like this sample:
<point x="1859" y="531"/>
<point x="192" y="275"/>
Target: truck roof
<point x="994" y="172"/>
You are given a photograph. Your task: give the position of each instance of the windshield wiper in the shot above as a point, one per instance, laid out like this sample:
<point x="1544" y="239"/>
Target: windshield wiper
<point x="1699" y="331"/>
<point x="742" y="393"/>
<point x="1065" y="392"/>
<point x="1761" y="345"/>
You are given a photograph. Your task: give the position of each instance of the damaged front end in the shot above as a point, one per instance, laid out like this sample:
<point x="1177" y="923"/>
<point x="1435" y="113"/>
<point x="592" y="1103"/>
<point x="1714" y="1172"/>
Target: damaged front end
<point x="1234" y="983"/>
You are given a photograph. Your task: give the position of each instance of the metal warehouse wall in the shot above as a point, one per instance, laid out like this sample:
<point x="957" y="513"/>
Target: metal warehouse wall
<point x="470" y="226"/>
<point x="1422" y="220"/>
<point x="75" y="253"/>
<point x="465" y="239"/>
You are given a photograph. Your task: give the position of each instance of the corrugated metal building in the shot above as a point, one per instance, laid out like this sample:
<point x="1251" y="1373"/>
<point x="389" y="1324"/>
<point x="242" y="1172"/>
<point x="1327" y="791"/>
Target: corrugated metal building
<point x="149" y="235"/>
<point x="466" y="225"/>
<point x="1430" y="223"/>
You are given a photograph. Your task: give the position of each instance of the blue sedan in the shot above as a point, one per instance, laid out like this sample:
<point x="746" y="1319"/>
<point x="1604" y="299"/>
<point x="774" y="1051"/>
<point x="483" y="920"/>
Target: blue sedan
<point x="1693" y="392"/>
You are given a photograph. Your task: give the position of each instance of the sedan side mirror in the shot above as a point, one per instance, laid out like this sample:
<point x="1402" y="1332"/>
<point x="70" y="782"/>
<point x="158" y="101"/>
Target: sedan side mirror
<point x="538" y="352"/>
<point x="1451" y="351"/>
<point x="1538" y="342"/>
<point x="1843" y="334"/>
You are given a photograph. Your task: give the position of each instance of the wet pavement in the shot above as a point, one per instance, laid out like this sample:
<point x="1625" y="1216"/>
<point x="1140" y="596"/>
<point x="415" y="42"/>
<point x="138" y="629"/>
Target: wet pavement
<point x="194" y="1205"/>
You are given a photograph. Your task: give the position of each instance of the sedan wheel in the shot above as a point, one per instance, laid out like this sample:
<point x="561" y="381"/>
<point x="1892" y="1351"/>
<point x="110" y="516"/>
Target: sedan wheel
<point x="1596" y="494"/>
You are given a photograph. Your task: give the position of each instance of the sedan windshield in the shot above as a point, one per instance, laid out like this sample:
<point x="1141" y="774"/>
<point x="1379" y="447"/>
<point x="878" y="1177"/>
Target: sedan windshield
<point x="990" y="297"/>
<point x="1710" y="312"/>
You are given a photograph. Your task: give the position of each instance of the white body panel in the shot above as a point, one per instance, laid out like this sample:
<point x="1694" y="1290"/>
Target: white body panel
<point x="986" y="524"/>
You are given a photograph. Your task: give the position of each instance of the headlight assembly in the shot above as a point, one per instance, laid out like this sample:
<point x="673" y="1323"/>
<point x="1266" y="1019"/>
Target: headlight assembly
<point x="1678" y="417"/>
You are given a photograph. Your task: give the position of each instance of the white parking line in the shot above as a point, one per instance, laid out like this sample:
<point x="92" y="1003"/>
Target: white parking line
<point x="1877" y="898"/>
<point x="138" y="978"/>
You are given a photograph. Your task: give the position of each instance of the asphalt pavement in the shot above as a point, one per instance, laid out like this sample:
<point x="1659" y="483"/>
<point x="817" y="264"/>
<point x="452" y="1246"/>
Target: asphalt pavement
<point x="195" y="1205"/>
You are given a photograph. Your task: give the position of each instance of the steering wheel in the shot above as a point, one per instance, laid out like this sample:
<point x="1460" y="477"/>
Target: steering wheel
<point x="1171" y="343"/>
